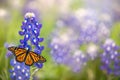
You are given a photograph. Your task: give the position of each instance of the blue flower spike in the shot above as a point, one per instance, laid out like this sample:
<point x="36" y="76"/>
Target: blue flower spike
<point x="31" y="31"/>
<point x="19" y="71"/>
<point x="110" y="58"/>
<point x="31" y="39"/>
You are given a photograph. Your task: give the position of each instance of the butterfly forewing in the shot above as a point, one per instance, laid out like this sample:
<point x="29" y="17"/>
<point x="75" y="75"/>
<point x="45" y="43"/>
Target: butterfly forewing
<point x="28" y="60"/>
<point x="19" y="51"/>
<point x="12" y="49"/>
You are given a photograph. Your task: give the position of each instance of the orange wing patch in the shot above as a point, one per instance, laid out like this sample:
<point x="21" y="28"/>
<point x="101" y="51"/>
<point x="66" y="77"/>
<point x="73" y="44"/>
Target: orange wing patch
<point x="19" y="51"/>
<point x="21" y="57"/>
<point x="34" y="56"/>
<point x="28" y="60"/>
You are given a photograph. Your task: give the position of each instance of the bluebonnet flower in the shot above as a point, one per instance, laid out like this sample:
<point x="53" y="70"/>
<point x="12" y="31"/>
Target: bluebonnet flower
<point x="89" y="24"/>
<point x="84" y="27"/>
<point x="77" y="60"/>
<point x="93" y="27"/>
<point x="65" y="49"/>
<point x="30" y="30"/>
<point x="20" y="71"/>
<point x="110" y="58"/>
<point x="90" y="27"/>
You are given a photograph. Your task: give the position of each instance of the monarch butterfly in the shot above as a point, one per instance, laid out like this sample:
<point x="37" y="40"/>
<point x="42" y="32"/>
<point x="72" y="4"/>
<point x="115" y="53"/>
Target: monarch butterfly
<point x="23" y="55"/>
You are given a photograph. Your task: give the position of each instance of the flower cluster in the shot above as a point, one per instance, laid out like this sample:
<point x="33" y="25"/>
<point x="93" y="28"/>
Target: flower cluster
<point x="75" y="29"/>
<point x="110" y="58"/>
<point x="88" y="25"/>
<point x="20" y="71"/>
<point x="65" y="49"/>
<point x="30" y="30"/>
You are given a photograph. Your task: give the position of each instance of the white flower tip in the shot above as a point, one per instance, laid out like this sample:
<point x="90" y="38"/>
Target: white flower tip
<point x="26" y="74"/>
<point x="29" y="15"/>
<point x="19" y="77"/>
<point x="14" y="74"/>
<point x="92" y="49"/>
<point x="109" y="41"/>
<point x="18" y="67"/>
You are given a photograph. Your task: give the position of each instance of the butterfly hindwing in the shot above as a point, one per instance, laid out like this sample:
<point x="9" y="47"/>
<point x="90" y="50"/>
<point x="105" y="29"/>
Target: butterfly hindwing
<point x="21" y="57"/>
<point x="42" y="59"/>
<point x="28" y="60"/>
<point x="34" y="56"/>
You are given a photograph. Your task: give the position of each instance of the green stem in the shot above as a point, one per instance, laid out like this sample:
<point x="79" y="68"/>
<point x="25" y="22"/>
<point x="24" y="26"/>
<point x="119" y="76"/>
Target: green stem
<point x="31" y="77"/>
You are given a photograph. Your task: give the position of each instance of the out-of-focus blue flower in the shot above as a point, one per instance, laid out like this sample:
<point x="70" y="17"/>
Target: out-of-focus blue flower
<point x="65" y="49"/>
<point x="84" y="27"/>
<point x="77" y="60"/>
<point x="110" y="58"/>
<point x="91" y="25"/>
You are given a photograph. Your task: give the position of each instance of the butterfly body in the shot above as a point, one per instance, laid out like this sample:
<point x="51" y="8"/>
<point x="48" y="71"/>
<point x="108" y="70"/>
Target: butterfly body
<point x="23" y="55"/>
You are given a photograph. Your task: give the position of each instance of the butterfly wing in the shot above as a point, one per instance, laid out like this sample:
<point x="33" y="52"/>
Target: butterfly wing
<point x="36" y="57"/>
<point x="12" y="49"/>
<point x="28" y="60"/>
<point x="19" y="53"/>
<point x="21" y="57"/>
<point x="42" y="59"/>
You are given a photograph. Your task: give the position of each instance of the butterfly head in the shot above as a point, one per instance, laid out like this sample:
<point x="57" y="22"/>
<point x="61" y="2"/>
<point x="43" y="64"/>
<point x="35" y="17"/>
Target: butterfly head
<point x="12" y="48"/>
<point x="42" y="59"/>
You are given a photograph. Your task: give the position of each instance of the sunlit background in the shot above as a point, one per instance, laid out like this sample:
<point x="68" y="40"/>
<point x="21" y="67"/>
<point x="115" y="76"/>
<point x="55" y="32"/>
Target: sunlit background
<point x="81" y="37"/>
